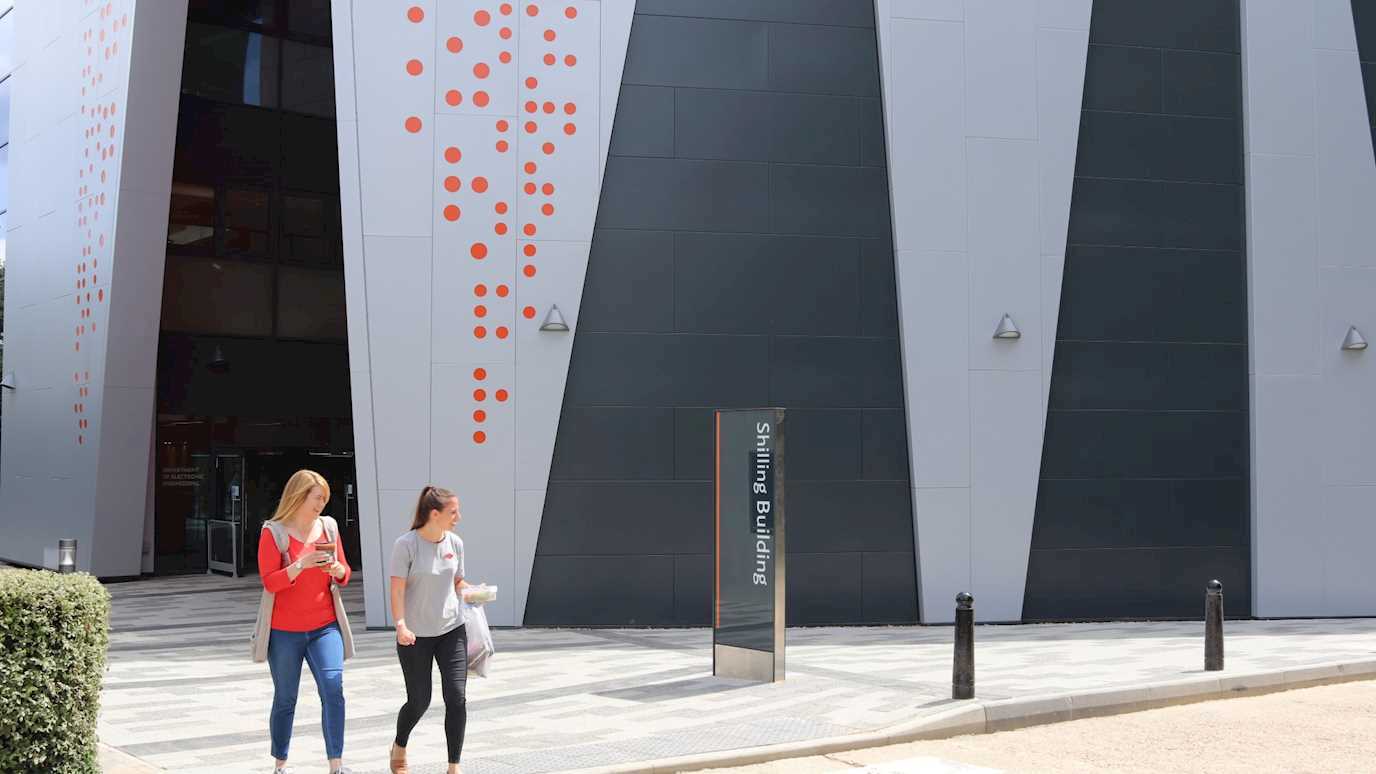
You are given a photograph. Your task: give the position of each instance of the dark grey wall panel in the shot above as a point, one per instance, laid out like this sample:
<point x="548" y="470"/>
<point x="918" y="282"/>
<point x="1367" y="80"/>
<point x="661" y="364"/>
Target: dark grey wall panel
<point x="1143" y="495"/>
<point x="1364" y="20"/>
<point x="742" y="257"/>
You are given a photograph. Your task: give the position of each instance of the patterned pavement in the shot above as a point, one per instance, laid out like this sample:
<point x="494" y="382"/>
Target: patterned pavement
<point x="182" y="694"/>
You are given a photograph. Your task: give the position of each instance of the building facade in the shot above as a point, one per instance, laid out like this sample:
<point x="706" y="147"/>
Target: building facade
<point x="1065" y="299"/>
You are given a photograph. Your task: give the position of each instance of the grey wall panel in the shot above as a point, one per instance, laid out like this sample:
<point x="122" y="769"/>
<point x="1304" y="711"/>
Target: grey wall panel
<point x="1311" y="194"/>
<point x="982" y="109"/>
<point x="741" y="258"/>
<point x="1147" y="431"/>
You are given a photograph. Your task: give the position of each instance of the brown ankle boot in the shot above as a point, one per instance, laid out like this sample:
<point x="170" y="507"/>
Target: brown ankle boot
<point x="398" y="763"/>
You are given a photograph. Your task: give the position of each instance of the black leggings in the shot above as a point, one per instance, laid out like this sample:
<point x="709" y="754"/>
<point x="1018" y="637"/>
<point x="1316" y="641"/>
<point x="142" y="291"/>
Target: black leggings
<point x="450" y="652"/>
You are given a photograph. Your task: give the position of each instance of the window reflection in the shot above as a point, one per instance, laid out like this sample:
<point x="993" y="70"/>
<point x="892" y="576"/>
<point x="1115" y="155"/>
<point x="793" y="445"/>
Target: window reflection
<point x="231" y="65"/>
<point x="191" y="222"/>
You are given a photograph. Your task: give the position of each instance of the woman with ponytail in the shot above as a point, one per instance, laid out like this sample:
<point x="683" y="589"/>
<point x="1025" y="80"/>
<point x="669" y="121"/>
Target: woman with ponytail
<point x="427" y="579"/>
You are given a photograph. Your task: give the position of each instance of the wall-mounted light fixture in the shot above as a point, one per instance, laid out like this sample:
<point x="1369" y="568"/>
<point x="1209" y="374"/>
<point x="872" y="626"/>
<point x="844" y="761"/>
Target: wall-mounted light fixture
<point x="7" y="381"/>
<point x="219" y="364"/>
<point x="1354" y="341"/>
<point x="1007" y="329"/>
<point x="554" y="320"/>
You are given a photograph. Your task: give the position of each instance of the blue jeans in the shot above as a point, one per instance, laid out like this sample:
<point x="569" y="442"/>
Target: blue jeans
<point x="323" y="650"/>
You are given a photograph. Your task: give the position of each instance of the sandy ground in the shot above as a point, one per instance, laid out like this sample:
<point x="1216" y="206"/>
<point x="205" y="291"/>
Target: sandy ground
<point x="1329" y="729"/>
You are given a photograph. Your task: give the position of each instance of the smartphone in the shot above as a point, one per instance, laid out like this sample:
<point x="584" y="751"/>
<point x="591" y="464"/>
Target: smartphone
<point x="327" y="547"/>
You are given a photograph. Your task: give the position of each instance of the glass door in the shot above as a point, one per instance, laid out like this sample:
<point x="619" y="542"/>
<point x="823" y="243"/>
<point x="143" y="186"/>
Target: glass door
<point x="225" y="549"/>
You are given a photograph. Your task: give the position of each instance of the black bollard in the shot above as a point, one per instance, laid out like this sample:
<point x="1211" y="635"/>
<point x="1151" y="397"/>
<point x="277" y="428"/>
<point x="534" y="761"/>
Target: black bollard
<point x="963" y="677"/>
<point x="1213" y="627"/>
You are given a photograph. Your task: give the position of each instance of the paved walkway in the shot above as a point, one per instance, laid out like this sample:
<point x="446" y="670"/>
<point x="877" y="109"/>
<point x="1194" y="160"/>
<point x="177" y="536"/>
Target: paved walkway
<point x="182" y="694"/>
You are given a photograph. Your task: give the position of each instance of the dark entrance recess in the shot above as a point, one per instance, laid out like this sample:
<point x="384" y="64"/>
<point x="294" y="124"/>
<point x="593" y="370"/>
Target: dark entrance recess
<point x="253" y="369"/>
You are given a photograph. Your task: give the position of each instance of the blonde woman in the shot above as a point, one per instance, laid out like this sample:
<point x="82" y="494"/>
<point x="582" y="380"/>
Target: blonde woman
<point x="299" y="572"/>
<point x="427" y="579"/>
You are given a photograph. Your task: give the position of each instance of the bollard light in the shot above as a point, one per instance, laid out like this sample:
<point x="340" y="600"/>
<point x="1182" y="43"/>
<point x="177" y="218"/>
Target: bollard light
<point x="1213" y="627"/>
<point x="66" y="555"/>
<point x="963" y="674"/>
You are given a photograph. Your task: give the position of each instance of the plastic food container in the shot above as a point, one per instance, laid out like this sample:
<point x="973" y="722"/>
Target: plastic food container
<point x="477" y="595"/>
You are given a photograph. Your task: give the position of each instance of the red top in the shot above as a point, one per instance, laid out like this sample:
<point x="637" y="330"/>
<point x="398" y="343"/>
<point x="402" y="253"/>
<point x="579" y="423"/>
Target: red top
<point x="305" y="604"/>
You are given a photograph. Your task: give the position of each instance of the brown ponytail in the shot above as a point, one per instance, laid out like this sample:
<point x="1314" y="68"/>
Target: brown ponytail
<point x="432" y="498"/>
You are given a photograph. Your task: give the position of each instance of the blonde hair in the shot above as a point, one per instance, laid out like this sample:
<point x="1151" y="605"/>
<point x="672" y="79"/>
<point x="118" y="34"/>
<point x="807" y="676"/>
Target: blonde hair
<point x="295" y="492"/>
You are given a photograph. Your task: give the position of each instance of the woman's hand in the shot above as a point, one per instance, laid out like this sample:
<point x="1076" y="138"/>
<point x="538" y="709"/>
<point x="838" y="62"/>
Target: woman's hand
<point x="405" y="636"/>
<point x="337" y="570"/>
<point x="307" y="561"/>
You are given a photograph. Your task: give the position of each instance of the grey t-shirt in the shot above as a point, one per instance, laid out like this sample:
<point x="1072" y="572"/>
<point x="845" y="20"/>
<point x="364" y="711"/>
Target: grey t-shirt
<point x="430" y="569"/>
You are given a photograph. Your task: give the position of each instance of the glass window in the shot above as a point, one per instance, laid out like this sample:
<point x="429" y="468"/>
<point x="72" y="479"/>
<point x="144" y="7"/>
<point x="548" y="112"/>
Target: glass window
<point x="310" y="230"/>
<point x="5" y="90"/>
<point x="309" y="17"/>
<point x="310" y="304"/>
<point x="307" y="79"/>
<point x="228" y="65"/>
<point x="209" y="296"/>
<point x="191" y="221"/>
<point x="259" y="13"/>
<point x="247" y="223"/>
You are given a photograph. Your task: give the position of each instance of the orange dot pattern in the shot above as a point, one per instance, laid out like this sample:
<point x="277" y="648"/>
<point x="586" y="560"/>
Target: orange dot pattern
<point x="498" y="175"/>
<point x="102" y="123"/>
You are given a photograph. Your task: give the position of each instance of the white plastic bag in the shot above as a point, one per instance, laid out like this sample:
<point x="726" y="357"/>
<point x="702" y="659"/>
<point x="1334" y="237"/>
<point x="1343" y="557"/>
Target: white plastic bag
<point x="479" y="639"/>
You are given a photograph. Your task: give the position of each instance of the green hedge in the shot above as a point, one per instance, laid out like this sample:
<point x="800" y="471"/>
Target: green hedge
<point x="53" y="633"/>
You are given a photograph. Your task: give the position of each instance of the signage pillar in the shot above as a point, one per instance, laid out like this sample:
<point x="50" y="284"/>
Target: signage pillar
<point x="748" y="596"/>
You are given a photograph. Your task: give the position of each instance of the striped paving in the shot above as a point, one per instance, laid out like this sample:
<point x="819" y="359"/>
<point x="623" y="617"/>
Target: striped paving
<point x="181" y="692"/>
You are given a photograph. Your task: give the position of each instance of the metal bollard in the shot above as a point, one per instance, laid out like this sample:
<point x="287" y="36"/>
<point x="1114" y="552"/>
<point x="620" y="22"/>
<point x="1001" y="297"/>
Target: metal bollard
<point x="1213" y="627"/>
<point x="963" y="677"/>
<point x="66" y="555"/>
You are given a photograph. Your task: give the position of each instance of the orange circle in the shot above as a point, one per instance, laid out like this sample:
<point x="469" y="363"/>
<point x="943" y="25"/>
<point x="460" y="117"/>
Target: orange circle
<point x="451" y="213"/>
<point x="529" y="270"/>
<point x="415" y="67"/>
<point x="550" y="59"/>
<point x="453" y="97"/>
<point x="547" y="209"/>
<point x="479" y="416"/>
<point x="479" y="436"/>
<point x="415" y="14"/>
<point x="530" y="189"/>
<point x="480" y="184"/>
<point x="503" y="291"/>
<point x="530" y="251"/>
<point x="506" y="33"/>
<point x="570" y="129"/>
<point x="570" y="12"/>
<point x="531" y="83"/>
<point x="482" y="18"/>
<point x="480" y="290"/>
<point x="479" y="332"/>
<point x="532" y="10"/>
<point x="502" y="125"/>
<point x="503" y="146"/>
<point x="480" y="374"/>
<point x="478" y="250"/>
<point x="531" y="107"/>
<point x="548" y="148"/>
<point x="480" y="98"/>
<point x="502" y="395"/>
<point x="570" y="60"/>
<point x="531" y="127"/>
<point x="413" y="124"/>
<point x="454" y="44"/>
<point x="500" y="228"/>
<point x="451" y="184"/>
<point x="529" y="312"/>
<point x="501" y="332"/>
<point x="547" y="189"/>
<point x="501" y="208"/>
<point x="481" y="70"/>
<point x="506" y="9"/>
<point x="549" y="35"/>
<point x="505" y="57"/>
<point x="452" y="155"/>
<point x="479" y="311"/>
<point x="549" y="107"/>
<point x="480" y="395"/>
<point x="530" y="167"/>
<point x="529" y="229"/>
